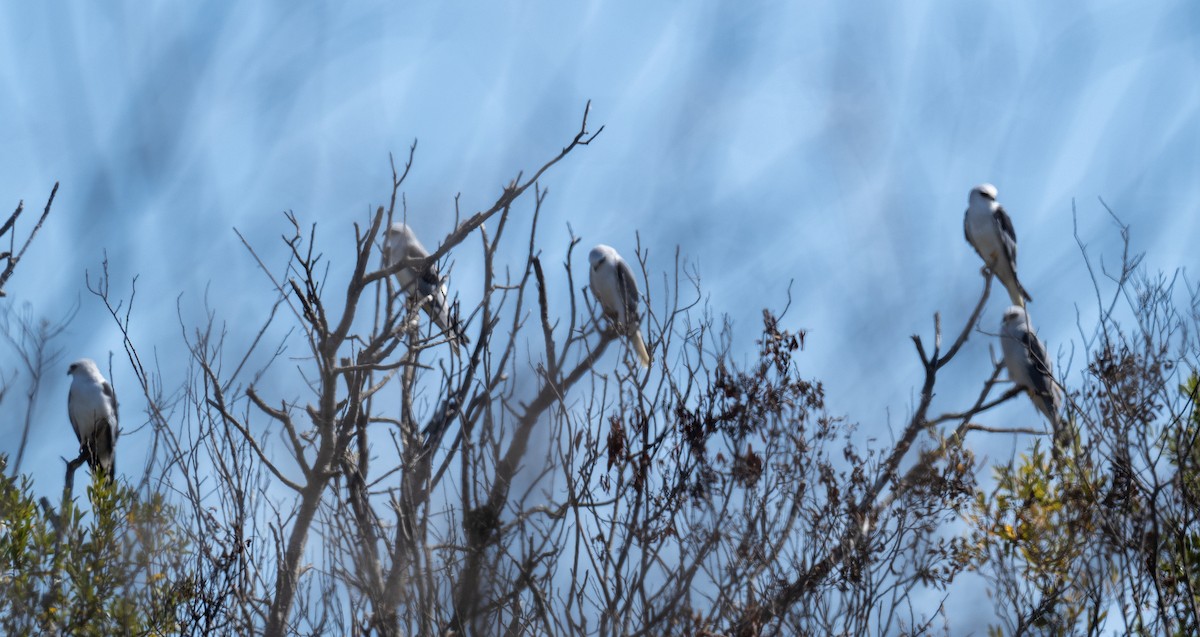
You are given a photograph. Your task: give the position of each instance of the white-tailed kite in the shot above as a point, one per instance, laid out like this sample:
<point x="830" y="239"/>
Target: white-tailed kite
<point x="1029" y="366"/>
<point x="92" y="407"/>
<point x="991" y="233"/>
<point x="616" y="289"/>
<point x="427" y="287"/>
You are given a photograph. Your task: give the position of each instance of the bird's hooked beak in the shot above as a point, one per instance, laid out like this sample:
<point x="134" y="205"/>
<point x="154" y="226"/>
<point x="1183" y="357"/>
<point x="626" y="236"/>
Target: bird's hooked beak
<point x="596" y="265"/>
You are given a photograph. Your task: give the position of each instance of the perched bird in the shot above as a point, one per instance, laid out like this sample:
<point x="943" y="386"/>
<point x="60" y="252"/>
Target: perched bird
<point x="427" y="286"/>
<point x="991" y="233"/>
<point x="1030" y="368"/>
<point x="92" y="407"/>
<point x="616" y="289"/>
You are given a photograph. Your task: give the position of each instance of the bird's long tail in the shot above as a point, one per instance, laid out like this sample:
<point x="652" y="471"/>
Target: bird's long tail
<point x="102" y="450"/>
<point x="1016" y="291"/>
<point x="446" y="318"/>
<point x="639" y="346"/>
<point x="454" y="332"/>
<point x="1050" y="405"/>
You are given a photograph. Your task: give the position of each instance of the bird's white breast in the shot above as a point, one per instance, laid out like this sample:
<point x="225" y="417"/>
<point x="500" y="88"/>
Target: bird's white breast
<point x="981" y="224"/>
<point x="88" y="405"/>
<point x="1017" y="360"/>
<point x="604" y="284"/>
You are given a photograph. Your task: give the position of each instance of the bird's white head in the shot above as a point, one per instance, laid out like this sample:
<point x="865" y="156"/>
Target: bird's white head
<point x="398" y="232"/>
<point x="397" y="241"/>
<point x="982" y="192"/>
<point x="1014" y="316"/>
<point x="85" y="367"/>
<point x="599" y="254"/>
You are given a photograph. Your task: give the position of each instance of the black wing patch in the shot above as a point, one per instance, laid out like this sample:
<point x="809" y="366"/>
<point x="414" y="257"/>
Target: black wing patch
<point x="1008" y="234"/>
<point x="429" y="284"/>
<point x="629" y="293"/>
<point x="102" y="448"/>
<point x="111" y="397"/>
<point x="1043" y="377"/>
<point x="71" y="414"/>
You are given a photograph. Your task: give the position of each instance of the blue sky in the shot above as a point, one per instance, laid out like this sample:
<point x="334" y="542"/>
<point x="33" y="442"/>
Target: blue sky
<point x="826" y="144"/>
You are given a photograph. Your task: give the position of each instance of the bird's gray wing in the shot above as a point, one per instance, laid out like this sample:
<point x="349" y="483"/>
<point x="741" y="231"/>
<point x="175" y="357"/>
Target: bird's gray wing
<point x="411" y="252"/>
<point x="428" y="280"/>
<point x="104" y="440"/>
<point x="629" y="294"/>
<point x="110" y="397"/>
<point x="429" y="285"/>
<point x="103" y="450"/>
<point x="1041" y="374"/>
<point x="71" y="412"/>
<point x="1008" y="242"/>
<point x="404" y="248"/>
<point x="1008" y="235"/>
<point x="414" y="250"/>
